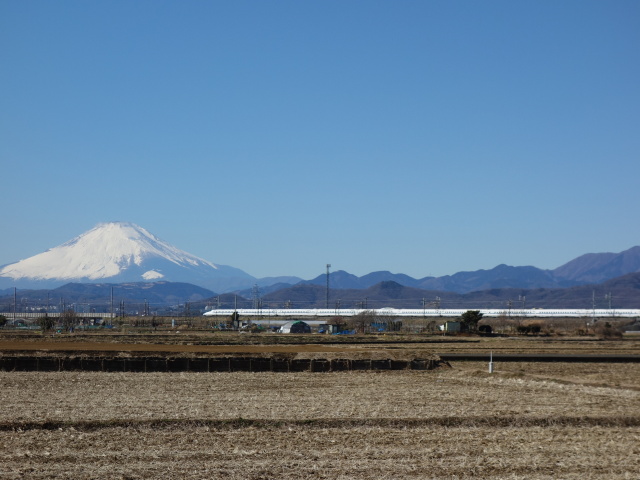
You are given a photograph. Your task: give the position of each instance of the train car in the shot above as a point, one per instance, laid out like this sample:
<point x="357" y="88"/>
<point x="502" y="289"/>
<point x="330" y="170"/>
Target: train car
<point x="427" y="312"/>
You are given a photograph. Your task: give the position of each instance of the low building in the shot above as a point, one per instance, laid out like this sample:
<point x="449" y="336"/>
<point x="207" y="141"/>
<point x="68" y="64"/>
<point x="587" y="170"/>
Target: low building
<point x="328" y="328"/>
<point x="452" y="327"/>
<point x="295" y="326"/>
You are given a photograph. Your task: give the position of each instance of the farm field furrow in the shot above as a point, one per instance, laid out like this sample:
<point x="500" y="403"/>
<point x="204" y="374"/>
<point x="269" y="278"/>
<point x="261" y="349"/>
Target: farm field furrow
<point x="75" y="396"/>
<point x="334" y="453"/>
<point x="534" y="421"/>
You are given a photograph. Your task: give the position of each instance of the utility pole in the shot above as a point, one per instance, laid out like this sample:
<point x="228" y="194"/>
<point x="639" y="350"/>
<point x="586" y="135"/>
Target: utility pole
<point x="328" y="267"/>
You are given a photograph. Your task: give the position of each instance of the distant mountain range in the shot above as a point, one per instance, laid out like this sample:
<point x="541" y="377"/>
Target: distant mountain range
<point x="620" y="292"/>
<point x="599" y="267"/>
<point x="99" y="295"/>
<point x="125" y="253"/>
<point x="624" y="292"/>
<point x="586" y="269"/>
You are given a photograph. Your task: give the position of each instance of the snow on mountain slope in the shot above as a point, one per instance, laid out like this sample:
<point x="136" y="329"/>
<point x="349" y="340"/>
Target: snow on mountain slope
<point x="120" y="252"/>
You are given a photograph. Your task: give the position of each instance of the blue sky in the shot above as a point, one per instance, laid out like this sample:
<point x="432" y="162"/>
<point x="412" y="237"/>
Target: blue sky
<point x="420" y="137"/>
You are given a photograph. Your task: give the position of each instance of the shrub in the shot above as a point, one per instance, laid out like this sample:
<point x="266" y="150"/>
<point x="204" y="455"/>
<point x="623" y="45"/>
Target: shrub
<point x="533" y="329"/>
<point x="256" y="328"/>
<point x="46" y="323"/>
<point x="608" y="331"/>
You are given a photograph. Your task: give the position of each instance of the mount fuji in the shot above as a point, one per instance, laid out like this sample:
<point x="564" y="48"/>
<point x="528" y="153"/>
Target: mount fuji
<point x="119" y="252"/>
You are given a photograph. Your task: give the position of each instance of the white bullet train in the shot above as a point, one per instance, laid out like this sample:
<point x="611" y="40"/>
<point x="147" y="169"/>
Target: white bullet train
<point x="419" y="312"/>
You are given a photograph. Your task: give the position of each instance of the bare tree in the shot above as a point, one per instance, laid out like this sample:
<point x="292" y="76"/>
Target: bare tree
<point x="362" y="321"/>
<point x="338" y="321"/>
<point x="46" y="322"/>
<point x="69" y="319"/>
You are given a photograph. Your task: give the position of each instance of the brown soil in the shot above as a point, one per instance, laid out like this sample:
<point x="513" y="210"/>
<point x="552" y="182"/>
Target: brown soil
<point x="453" y="423"/>
<point x="233" y="343"/>
<point x="71" y="346"/>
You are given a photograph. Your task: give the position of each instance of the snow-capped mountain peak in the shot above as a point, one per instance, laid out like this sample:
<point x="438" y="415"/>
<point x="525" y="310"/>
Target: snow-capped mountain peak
<point x="117" y="251"/>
